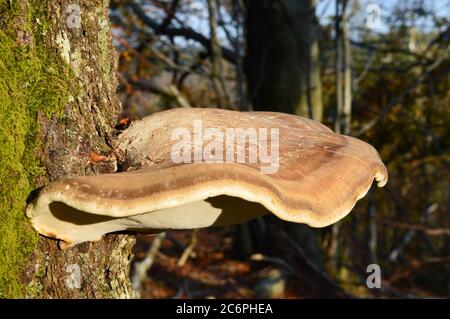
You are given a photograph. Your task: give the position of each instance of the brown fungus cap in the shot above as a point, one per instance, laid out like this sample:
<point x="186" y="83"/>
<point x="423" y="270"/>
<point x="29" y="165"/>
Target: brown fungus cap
<point x="316" y="178"/>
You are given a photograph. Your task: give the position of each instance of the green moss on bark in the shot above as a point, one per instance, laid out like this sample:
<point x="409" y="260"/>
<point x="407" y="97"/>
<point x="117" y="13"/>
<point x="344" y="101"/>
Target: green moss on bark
<point x="33" y="79"/>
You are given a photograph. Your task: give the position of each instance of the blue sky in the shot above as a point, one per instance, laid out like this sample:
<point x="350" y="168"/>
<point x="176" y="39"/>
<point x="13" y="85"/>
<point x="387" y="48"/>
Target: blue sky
<point x="325" y="11"/>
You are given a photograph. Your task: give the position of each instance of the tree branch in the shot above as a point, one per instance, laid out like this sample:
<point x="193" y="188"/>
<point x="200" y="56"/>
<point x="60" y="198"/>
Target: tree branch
<point x="421" y="228"/>
<point x="413" y="84"/>
<point x="395" y="253"/>
<point x="170" y="91"/>
<point x="170" y="15"/>
<point x="185" y="32"/>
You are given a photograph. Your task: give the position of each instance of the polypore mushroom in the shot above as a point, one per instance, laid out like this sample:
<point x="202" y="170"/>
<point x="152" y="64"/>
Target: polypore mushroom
<point x="190" y="168"/>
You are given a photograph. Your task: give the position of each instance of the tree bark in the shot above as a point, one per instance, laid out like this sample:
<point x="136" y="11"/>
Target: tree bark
<point x="338" y="67"/>
<point x="347" y="110"/>
<point x="343" y="100"/>
<point x="343" y="70"/>
<point x="217" y="70"/>
<point x="282" y="62"/>
<point x="75" y="40"/>
<point x="283" y="73"/>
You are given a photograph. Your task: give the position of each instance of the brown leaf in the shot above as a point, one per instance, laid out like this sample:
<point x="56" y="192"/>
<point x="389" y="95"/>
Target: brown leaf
<point x="123" y="123"/>
<point x="95" y="158"/>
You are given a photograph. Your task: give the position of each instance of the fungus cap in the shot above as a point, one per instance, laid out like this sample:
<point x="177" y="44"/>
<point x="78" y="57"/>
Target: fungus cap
<point x="318" y="177"/>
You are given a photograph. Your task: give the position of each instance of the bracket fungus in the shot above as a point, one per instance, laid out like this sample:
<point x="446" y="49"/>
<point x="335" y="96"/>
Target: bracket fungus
<point x="190" y="168"/>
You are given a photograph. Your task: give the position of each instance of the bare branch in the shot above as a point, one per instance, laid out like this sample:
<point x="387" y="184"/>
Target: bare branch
<point x="395" y="253"/>
<point x="413" y="84"/>
<point x="185" y="32"/>
<point x="421" y="228"/>
<point x="142" y="267"/>
<point x="170" y="91"/>
<point x="189" y="249"/>
<point x="170" y="15"/>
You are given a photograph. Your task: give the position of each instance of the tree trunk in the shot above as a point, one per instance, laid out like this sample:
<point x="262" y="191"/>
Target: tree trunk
<point x="338" y="67"/>
<point x="283" y="73"/>
<point x="347" y="110"/>
<point x="59" y="104"/>
<point x="344" y="100"/>
<point x="343" y="70"/>
<point x="283" y="62"/>
<point x="217" y="70"/>
<point x="311" y="96"/>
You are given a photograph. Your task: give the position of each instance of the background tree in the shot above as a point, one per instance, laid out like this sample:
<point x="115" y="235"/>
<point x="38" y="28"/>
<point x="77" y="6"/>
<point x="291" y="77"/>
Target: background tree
<point x="282" y="58"/>
<point x="282" y="66"/>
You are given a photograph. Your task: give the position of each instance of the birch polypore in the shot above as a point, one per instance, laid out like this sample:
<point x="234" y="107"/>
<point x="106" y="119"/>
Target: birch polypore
<point x="318" y="177"/>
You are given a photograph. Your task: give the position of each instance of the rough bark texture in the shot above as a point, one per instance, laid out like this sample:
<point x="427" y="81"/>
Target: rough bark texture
<point x="103" y="268"/>
<point x="76" y="43"/>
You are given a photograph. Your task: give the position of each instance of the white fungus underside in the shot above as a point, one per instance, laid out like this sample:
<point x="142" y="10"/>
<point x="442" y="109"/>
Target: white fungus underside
<point x="59" y="216"/>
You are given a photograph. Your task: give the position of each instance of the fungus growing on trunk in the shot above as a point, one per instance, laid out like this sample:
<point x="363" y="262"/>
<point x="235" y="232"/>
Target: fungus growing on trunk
<point x="193" y="168"/>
